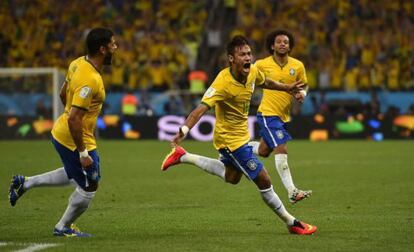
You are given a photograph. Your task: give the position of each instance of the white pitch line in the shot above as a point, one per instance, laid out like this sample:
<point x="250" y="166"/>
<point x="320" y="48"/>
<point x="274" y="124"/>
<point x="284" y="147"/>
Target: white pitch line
<point x="31" y="246"/>
<point x="37" y="247"/>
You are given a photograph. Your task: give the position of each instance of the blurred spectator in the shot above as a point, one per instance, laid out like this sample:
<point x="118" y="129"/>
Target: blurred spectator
<point x="198" y="81"/>
<point x="372" y="108"/>
<point x="174" y="105"/>
<point x="145" y="106"/>
<point x="117" y="73"/>
<point x="129" y="103"/>
<point x="160" y="77"/>
<point x="392" y="112"/>
<point x="42" y="111"/>
<point x="411" y="110"/>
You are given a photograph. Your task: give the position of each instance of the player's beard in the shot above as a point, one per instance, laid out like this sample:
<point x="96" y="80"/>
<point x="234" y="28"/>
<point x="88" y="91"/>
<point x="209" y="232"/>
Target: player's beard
<point x="107" y="60"/>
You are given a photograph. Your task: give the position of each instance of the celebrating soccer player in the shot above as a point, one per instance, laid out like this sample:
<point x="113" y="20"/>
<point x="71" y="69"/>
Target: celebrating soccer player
<point x="274" y="109"/>
<point x="82" y="94"/>
<point x="230" y="94"/>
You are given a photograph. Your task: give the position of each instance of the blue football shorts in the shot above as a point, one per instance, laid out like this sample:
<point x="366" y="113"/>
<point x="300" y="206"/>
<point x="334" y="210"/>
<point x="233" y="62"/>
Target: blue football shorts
<point x="272" y="130"/>
<point x="243" y="160"/>
<point x="73" y="167"/>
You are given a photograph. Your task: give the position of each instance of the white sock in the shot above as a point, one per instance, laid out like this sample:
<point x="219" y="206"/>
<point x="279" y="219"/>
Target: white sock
<point x="210" y="165"/>
<point x="78" y="203"/>
<point x="57" y="177"/>
<point x="273" y="201"/>
<point x="282" y="168"/>
<point x="255" y="146"/>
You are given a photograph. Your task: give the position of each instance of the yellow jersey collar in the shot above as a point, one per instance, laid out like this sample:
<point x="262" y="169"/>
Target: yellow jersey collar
<point x="234" y="77"/>
<point x="90" y="62"/>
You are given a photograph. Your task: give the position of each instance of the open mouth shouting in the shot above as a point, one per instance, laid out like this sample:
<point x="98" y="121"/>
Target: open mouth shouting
<point x="246" y="67"/>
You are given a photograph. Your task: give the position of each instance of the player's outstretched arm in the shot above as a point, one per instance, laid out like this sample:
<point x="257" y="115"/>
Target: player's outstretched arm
<point x="191" y="120"/>
<point x="291" y="87"/>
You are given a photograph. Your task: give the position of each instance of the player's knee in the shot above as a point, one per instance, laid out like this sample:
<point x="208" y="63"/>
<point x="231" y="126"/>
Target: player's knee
<point x="263" y="180"/>
<point x="281" y="149"/>
<point x="93" y="187"/>
<point x="264" y="151"/>
<point x="234" y="180"/>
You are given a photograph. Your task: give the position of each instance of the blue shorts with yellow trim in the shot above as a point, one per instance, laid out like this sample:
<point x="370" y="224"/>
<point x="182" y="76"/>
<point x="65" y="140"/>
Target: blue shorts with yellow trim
<point x="73" y="167"/>
<point x="272" y="130"/>
<point x="243" y="160"/>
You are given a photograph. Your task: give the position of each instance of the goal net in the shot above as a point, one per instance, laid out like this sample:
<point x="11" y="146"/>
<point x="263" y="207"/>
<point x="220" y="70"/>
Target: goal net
<point x="26" y="91"/>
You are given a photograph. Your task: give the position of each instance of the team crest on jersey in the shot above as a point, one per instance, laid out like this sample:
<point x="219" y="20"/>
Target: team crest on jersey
<point x="84" y="92"/>
<point x="279" y="134"/>
<point x="210" y="92"/>
<point x="251" y="164"/>
<point x="95" y="175"/>
<point x="292" y="71"/>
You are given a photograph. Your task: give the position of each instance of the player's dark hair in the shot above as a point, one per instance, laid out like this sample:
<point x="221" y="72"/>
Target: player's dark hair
<point x="237" y="41"/>
<point x="270" y="40"/>
<point x="96" y="38"/>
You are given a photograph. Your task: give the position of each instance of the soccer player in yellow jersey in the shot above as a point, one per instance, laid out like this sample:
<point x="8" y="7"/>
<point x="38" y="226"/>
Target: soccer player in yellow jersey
<point x="274" y="109"/>
<point x="82" y="94"/>
<point x="230" y="94"/>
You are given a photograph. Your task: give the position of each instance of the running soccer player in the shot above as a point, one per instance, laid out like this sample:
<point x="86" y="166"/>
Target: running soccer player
<point x="230" y="94"/>
<point x="274" y="109"/>
<point x="82" y="94"/>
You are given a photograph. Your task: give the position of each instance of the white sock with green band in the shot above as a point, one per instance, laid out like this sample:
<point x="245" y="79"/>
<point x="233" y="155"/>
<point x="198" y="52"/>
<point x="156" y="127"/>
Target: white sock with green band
<point x="273" y="201"/>
<point x="210" y="165"/>
<point x="282" y="168"/>
<point x="78" y="203"/>
<point x="57" y="177"/>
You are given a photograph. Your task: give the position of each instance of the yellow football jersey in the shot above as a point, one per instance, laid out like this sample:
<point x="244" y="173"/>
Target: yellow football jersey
<point x="231" y="100"/>
<point x="274" y="102"/>
<point x="84" y="90"/>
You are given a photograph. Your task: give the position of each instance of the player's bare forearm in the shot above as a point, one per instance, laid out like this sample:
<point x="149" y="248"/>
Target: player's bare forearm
<point x="195" y="115"/>
<point x="275" y="85"/>
<point x="63" y="93"/>
<point x="75" y="126"/>
<point x="190" y="121"/>
<point x="301" y="94"/>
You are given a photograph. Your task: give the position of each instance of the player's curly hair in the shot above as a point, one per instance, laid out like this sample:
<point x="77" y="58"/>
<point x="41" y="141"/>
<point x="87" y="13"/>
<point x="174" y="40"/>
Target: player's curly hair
<point x="96" y="38"/>
<point x="237" y="41"/>
<point x="270" y="40"/>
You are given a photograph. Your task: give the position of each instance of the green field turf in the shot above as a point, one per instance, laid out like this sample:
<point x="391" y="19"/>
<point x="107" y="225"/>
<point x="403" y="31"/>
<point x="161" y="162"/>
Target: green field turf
<point x="362" y="201"/>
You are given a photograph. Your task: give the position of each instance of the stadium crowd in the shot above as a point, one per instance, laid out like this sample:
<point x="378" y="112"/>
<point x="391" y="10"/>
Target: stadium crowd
<point x="158" y="40"/>
<point x="345" y="44"/>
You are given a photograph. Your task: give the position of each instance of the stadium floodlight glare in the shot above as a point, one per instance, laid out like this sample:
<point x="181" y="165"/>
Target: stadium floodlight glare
<point x="57" y="80"/>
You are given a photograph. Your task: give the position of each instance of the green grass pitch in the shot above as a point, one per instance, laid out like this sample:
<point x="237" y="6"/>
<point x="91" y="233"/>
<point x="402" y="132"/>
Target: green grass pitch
<point x="362" y="200"/>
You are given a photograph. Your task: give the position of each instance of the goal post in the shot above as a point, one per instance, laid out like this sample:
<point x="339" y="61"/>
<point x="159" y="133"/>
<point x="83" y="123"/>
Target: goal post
<point x="57" y="78"/>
